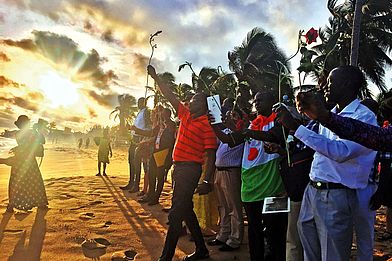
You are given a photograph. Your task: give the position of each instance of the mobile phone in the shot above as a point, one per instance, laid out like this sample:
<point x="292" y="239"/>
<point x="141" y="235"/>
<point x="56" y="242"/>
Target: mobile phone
<point x="214" y="106"/>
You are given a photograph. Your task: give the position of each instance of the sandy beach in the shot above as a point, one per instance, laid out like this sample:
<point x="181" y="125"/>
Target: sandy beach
<point x="83" y="206"/>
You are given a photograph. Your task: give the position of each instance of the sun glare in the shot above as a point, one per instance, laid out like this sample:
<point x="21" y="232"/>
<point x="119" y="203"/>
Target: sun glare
<point x="59" y="90"/>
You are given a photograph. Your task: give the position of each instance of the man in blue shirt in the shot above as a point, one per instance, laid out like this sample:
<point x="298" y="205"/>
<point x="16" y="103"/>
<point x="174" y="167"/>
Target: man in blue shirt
<point x="339" y="168"/>
<point x="227" y="185"/>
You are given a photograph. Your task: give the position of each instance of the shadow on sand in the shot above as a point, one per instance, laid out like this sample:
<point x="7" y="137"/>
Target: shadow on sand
<point x="32" y="251"/>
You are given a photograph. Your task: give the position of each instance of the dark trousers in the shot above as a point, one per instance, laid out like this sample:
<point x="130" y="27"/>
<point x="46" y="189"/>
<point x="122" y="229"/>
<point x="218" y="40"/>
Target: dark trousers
<point x="135" y="161"/>
<point x="275" y="226"/>
<point x="186" y="177"/>
<point x="156" y="180"/>
<point x="131" y="156"/>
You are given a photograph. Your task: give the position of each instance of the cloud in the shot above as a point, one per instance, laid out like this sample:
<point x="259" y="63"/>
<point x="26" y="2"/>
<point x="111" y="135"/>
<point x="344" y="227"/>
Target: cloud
<point x="20" y="102"/>
<point x="77" y="119"/>
<point x="4" y="57"/>
<point x="5" y="82"/>
<point x="26" y="44"/>
<point x="139" y="63"/>
<point x="30" y="101"/>
<point x="108" y="100"/>
<point x="92" y="113"/>
<point x="7" y="118"/>
<point x="63" y="51"/>
<point x="108" y="36"/>
<point x="36" y="96"/>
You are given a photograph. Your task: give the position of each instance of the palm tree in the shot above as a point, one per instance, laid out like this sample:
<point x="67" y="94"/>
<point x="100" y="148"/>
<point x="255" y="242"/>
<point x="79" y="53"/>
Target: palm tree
<point x="168" y="79"/>
<point x="183" y="91"/>
<point x="375" y="40"/>
<point x="126" y="110"/>
<point x="356" y="32"/>
<point x="258" y="63"/>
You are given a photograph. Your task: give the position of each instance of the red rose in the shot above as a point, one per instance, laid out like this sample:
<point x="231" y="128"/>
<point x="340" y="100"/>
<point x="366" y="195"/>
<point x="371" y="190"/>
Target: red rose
<point x="311" y="35"/>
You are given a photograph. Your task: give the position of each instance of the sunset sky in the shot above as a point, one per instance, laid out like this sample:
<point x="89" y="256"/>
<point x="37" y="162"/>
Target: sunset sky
<point x="66" y="61"/>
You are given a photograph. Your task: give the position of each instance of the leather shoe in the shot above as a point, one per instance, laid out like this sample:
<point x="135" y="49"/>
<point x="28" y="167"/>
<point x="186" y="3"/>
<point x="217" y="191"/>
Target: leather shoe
<point x="215" y="242"/>
<point x="198" y="255"/>
<point x="227" y="248"/>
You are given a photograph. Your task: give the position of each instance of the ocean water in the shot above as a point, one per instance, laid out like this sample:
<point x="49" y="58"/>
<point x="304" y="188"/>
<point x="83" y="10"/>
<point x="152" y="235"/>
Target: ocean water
<point x="5" y="145"/>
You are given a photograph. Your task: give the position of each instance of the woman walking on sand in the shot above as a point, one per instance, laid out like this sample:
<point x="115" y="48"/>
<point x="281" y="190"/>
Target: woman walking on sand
<point x="26" y="186"/>
<point x="103" y="152"/>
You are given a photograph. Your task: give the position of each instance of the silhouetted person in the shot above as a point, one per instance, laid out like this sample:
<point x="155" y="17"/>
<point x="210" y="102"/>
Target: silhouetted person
<point x="142" y="121"/>
<point x="87" y="142"/>
<point x="26" y="186"/>
<point x="104" y="151"/>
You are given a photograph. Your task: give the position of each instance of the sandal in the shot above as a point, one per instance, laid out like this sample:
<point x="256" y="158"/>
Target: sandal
<point x="386" y="236"/>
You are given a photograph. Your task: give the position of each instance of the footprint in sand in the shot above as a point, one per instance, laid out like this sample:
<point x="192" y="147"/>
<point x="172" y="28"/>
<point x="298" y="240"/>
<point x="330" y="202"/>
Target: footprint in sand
<point x="13" y="231"/>
<point x="93" y="249"/>
<point x="87" y="216"/>
<point x="102" y="241"/>
<point x="97" y="202"/>
<point x="65" y="196"/>
<point x="77" y="208"/>
<point x="124" y="255"/>
<point x="93" y="194"/>
<point x="108" y="224"/>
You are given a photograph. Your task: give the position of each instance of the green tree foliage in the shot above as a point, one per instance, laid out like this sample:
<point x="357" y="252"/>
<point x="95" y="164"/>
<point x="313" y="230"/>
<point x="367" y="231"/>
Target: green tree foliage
<point x="258" y="63"/>
<point x="125" y="111"/>
<point x="375" y="40"/>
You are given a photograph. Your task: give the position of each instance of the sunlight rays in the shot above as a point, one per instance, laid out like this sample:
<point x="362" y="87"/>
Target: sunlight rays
<point x="59" y="90"/>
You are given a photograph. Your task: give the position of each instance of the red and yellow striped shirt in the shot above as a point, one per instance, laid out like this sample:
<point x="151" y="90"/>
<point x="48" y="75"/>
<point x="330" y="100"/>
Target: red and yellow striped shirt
<point x="193" y="138"/>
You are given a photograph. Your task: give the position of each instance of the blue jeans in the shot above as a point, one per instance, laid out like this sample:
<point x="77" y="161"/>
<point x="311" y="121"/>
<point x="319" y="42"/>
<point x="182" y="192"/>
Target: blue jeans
<point x="325" y="223"/>
<point x="364" y="220"/>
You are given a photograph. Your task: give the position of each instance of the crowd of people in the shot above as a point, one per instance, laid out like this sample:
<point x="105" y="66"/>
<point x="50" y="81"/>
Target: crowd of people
<point x="329" y="177"/>
<point x="334" y="164"/>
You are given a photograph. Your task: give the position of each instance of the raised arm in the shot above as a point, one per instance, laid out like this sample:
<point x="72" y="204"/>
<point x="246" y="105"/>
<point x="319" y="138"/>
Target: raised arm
<point x="167" y="93"/>
<point x="370" y="136"/>
<point x="232" y="139"/>
<point x="260" y="135"/>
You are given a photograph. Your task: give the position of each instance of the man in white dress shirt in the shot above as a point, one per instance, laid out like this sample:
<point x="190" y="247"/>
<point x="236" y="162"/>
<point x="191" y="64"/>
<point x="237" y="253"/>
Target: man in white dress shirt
<point x="339" y="168"/>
